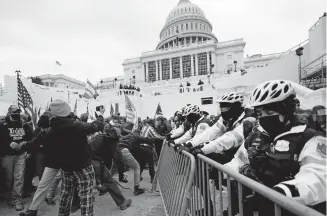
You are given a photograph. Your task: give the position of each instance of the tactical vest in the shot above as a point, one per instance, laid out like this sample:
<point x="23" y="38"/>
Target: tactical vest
<point x="277" y="161"/>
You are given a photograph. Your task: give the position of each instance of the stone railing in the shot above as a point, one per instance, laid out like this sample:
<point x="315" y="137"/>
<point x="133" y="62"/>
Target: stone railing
<point x="130" y="92"/>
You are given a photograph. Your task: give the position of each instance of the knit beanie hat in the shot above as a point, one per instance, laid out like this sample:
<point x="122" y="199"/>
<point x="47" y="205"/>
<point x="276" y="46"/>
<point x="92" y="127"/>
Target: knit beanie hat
<point x="60" y="108"/>
<point x="84" y="117"/>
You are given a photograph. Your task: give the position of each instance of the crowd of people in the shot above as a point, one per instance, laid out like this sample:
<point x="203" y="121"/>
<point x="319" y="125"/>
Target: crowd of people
<point x="81" y="153"/>
<point x="130" y="87"/>
<point x="270" y="140"/>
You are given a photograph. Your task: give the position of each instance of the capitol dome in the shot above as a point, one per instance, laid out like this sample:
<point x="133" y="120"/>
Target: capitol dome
<point x="185" y="24"/>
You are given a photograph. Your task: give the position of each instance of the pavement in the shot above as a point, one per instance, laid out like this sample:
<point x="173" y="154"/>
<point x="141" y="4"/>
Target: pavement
<point x="147" y="204"/>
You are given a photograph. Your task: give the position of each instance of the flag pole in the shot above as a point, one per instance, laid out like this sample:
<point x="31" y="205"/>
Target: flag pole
<point x="17" y="76"/>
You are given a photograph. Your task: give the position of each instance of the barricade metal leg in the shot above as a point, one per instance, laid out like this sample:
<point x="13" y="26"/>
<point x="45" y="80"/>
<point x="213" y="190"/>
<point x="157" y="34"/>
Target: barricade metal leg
<point x="229" y="196"/>
<point x="240" y="198"/>
<point x="221" y="193"/>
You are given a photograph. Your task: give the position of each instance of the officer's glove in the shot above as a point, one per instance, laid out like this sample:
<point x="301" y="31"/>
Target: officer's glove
<point x="185" y="148"/>
<point x="168" y="137"/>
<point x="196" y="147"/>
<point x="177" y="146"/>
<point x="196" y="152"/>
<point x="248" y="171"/>
<point x="171" y="143"/>
<point x="188" y="144"/>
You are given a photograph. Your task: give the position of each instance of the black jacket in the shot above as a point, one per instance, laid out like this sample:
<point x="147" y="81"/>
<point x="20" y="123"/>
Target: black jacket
<point x="67" y="146"/>
<point x="13" y="131"/>
<point x="133" y="141"/>
<point x="104" y="147"/>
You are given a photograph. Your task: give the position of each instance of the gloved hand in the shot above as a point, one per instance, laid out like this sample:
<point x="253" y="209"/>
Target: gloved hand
<point x="14" y="145"/>
<point x="188" y="144"/>
<point x="248" y="171"/>
<point x="168" y="137"/>
<point x="196" y="147"/>
<point x="177" y="146"/>
<point x="196" y="152"/>
<point x="185" y="148"/>
<point x="171" y="143"/>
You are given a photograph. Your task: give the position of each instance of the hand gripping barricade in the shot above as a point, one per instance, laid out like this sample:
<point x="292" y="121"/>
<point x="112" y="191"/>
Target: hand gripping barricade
<point x="186" y="189"/>
<point x="174" y="177"/>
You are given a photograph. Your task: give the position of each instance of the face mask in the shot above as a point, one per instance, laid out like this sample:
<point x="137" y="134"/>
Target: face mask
<point x="227" y="115"/>
<point x="15" y="116"/>
<point x="272" y="125"/>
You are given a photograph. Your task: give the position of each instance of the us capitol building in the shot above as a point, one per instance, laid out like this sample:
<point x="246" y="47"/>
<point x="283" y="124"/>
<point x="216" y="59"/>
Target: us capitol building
<point x="187" y="48"/>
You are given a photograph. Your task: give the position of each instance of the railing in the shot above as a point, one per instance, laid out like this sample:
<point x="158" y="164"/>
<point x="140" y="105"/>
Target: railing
<point x="314" y="66"/>
<point x="279" y="201"/>
<point x="186" y="189"/>
<point x="290" y="50"/>
<point x="128" y="92"/>
<point x="174" y="177"/>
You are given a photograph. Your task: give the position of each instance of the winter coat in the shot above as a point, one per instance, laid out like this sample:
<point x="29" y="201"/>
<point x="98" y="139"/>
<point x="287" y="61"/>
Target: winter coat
<point x="133" y="141"/>
<point x="67" y="146"/>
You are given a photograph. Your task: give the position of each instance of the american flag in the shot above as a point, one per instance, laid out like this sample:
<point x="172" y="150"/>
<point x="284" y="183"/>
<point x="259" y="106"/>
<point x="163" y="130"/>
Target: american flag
<point x="25" y="101"/>
<point x="158" y="111"/>
<point x="131" y="115"/>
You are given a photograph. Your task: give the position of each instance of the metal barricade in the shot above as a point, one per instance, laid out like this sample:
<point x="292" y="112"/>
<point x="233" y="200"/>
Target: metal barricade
<point x="203" y="198"/>
<point x="174" y="176"/>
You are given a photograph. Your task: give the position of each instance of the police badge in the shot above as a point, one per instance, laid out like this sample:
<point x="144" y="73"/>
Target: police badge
<point x="321" y="147"/>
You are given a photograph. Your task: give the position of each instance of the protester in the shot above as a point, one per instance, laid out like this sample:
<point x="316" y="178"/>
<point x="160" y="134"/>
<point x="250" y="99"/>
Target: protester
<point x="128" y="145"/>
<point x="13" y="131"/>
<point x="103" y="151"/>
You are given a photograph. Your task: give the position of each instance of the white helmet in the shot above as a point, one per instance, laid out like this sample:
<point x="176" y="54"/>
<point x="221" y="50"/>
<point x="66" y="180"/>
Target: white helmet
<point x="271" y="92"/>
<point x="191" y="109"/>
<point x="231" y="97"/>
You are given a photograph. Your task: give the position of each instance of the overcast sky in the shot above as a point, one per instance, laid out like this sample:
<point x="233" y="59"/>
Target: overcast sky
<point x="92" y="38"/>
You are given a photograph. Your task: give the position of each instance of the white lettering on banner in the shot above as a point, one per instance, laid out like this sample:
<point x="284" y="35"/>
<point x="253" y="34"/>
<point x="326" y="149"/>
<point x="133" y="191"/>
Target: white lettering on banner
<point x="282" y="146"/>
<point x="16" y="133"/>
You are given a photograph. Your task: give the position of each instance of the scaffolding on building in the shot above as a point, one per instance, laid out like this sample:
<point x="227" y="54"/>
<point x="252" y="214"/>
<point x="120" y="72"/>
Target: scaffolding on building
<point x="313" y="75"/>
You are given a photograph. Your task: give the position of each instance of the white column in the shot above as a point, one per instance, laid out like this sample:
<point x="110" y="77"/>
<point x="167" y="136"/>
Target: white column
<point x="157" y="70"/>
<point x="208" y="62"/>
<point x="214" y="61"/>
<point x="146" y="72"/>
<point x="192" y="65"/>
<point x="196" y="65"/>
<point x="181" y="67"/>
<point x="160" y="70"/>
<point x="170" y="69"/>
<point x="142" y="65"/>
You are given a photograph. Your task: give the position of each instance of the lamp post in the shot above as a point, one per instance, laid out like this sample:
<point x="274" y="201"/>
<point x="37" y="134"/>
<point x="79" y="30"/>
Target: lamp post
<point x="299" y="52"/>
<point x="235" y="63"/>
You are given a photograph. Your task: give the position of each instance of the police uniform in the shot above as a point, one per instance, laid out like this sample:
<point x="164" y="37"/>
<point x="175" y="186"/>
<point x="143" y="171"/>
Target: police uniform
<point x="201" y="125"/>
<point x="294" y="163"/>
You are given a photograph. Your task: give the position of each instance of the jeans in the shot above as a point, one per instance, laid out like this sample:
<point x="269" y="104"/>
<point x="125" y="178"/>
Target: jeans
<point x="84" y="182"/>
<point x="14" y="167"/>
<point x="146" y="156"/>
<point x="108" y="182"/>
<point x="130" y="161"/>
<point x="39" y="158"/>
<point x="47" y="187"/>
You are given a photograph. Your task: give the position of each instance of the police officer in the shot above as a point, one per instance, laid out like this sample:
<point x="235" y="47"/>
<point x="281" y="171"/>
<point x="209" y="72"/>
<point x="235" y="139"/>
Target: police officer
<point x="293" y="160"/>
